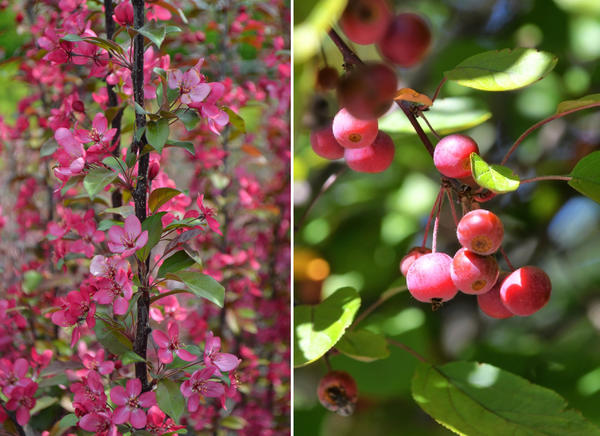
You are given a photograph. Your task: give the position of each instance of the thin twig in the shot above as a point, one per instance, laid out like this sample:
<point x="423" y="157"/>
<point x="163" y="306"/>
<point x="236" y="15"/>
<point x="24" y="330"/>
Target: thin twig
<point x="350" y="58"/>
<point x="407" y="348"/>
<point x="422" y="115"/>
<point x="436" y="224"/>
<point x="438" y="89"/>
<point x="452" y="208"/>
<point x="512" y="268"/>
<point x="415" y="123"/>
<point x="431" y="214"/>
<point x="540" y="178"/>
<point x="326" y="185"/>
<point x="382" y="299"/>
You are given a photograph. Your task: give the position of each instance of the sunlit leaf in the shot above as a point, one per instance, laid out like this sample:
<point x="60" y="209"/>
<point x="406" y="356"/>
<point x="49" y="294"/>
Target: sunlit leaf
<point x="408" y="94"/>
<point x="580" y="102"/>
<point x="157" y="133"/>
<point x="97" y="179"/>
<point x="202" y="285"/>
<point x="160" y="196"/>
<point x="496" y="178"/>
<point x="586" y="176"/>
<point x="363" y="345"/>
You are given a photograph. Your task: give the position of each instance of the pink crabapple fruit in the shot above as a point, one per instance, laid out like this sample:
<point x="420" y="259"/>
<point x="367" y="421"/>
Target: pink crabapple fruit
<point x="428" y="279"/>
<point x="337" y="392"/>
<point x="352" y="132"/>
<point x="324" y="143"/>
<point x="368" y="91"/>
<point x="406" y="40"/>
<point x="365" y="21"/>
<point x="412" y="255"/>
<point x="374" y="158"/>
<point x="472" y="273"/>
<point x="491" y="304"/>
<point x="480" y="231"/>
<point x="526" y="290"/>
<point x="451" y="155"/>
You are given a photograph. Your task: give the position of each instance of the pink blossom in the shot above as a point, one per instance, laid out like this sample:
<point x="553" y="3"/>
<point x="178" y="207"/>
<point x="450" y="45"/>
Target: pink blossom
<point x="130" y="403"/>
<point x="22" y="401"/>
<point x="156" y="422"/>
<point x="89" y="393"/>
<point x="169" y="344"/>
<point x="190" y="88"/>
<point x="12" y="375"/>
<point x="94" y="361"/>
<point x="100" y="136"/>
<point x="117" y="292"/>
<point x="199" y="384"/>
<point x="208" y="215"/>
<point x="127" y="239"/>
<point x="100" y="423"/>
<point x="72" y="159"/>
<point x="215" y="116"/>
<point x="124" y="13"/>
<point x="212" y="357"/>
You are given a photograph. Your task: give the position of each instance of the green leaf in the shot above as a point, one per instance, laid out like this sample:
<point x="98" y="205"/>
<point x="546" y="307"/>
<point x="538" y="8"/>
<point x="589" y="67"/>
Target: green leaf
<point x="97" y="179"/>
<point x="112" y="338"/>
<point x="169" y="399"/>
<point x="233" y="422"/>
<point x="308" y="34"/>
<point x="67" y="421"/>
<point x="252" y="114"/>
<point x="139" y="110"/>
<point x="580" y="102"/>
<point x="363" y="345"/>
<point x="124" y="211"/>
<point x="239" y="126"/>
<point x="105" y="44"/>
<point x="201" y="285"/>
<point x="496" y="178"/>
<point x="174" y="263"/>
<point x="154" y="226"/>
<point x="48" y="148"/>
<point x="188" y="117"/>
<point x="586" y="176"/>
<point x="447" y="115"/>
<point x="31" y="280"/>
<point x="160" y="196"/>
<point x="471" y="398"/>
<point x="154" y="33"/>
<point x="318" y="328"/>
<point x="503" y="70"/>
<point x="43" y="403"/>
<point x="115" y="164"/>
<point x="72" y="38"/>
<point x="189" y="146"/>
<point x="131" y="357"/>
<point x="157" y="133"/>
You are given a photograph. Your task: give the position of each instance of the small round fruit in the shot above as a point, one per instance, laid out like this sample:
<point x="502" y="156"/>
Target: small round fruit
<point x="428" y="278"/>
<point x="480" y="231"/>
<point x="526" y="290"/>
<point x="352" y="132"/>
<point x="491" y="304"/>
<point x="327" y="78"/>
<point x="324" y="143"/>
<point x="368" y="91"/>
<point x="373" y="158"/>
<point x="472" y="273"/>
<point x="337" y="392"/>
<point x="365" y="21"/>
<point x="410" y="258"/>
<point x="452" y="155"/>
<point x="406" y="40"/>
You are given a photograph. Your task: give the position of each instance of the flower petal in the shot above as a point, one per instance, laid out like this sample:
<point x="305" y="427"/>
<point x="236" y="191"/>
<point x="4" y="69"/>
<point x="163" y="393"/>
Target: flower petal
<point x="185" y="355"/>
<point x="138" y="418"/>
<point x="147" y="399"/>
<point x="133" y="387"/>
<point x="132" y="227"/>
<point x="165" y="356"/>
<point x="118" y="396"/>
<point x="226" y="361"/>
<point x="121" y="414"/>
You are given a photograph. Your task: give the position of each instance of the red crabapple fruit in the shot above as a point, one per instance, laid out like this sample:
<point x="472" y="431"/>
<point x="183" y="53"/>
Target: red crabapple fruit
<point x="411" y="256"/>
<point x="337" y="392"/>
<point x="406" y="40"/>
<point x="373" y="158"/>
<point x="368" y="91"/>
<point x="526" y="290"/>
<point x="324" y="143"/>
<point x="428" y="278"/>
<point x="480" y="231"/>
<point x="352" y="132"/>
<point x="472" y="273"/>
<point x="327" y="78"/>
<point x="365" y="21"/>
<point x="452" y="155"/>
<point x="491" y="304"/>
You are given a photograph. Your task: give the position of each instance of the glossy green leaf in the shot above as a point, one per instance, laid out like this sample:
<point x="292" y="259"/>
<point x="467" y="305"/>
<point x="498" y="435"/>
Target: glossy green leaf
<point x="363" y="345"/>
<point x="31" y="280"/>
<point x="97" y="179"/>
<point x="106" y="44"/>
<point x="178" y="261"/>
<point x="239" y="126"/>
<point x="586" y="176"/>
<point x="169" y="399"/>
<point x="48" y="148"/>
<point x="155" y="33"/>
<point x="67" y="421"/>
<point x="318" y="328"/>
<point x="503" y="70"/>
<point x="115" y="164"/>
<point x="154" y="226"/>
<point x="472" y="398"/>
<point x="496" y="178"/>
<point x="309" y="33"/>
<point x="202" y="285"/>
<point x="160" y="196"/>
<point x="580" y="102"/>
<point x="186" y="145"/>
<point x="233" y="422"/>
<point x="112" y="338"/>
<point x="72" y="38"/>
<point x="447" y="115"/>
<point x="157" y="133"/>
<point x="189" y="118"/>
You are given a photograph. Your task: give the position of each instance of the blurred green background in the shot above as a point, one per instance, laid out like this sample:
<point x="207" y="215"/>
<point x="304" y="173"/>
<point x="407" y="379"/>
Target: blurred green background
<point x="357" y="232"/>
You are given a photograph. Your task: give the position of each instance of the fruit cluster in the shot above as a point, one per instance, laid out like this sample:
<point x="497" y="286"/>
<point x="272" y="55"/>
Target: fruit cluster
<point x="367" y="90"/>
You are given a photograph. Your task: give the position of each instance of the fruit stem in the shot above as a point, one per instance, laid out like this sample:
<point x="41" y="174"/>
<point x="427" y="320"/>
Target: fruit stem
<point x="413" y="121"/>
<point x="438" y="89"/>
<point x="327" y="362"/>
<point x="540" y="178"/>
<point x="437" y="199"/>
<point x="407" y="348"/>
<point x="436" y="223"/>
<point x="512" y="268"/>
<point x="326" y="185"/>
<point x="350" y="58"/>
<point x="541" y="123"/>
<point x="382" y="299"/>
<point x="422" y="115"/>
<point x="449" y="194"/>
